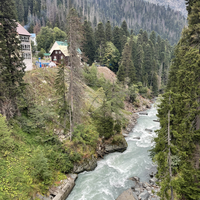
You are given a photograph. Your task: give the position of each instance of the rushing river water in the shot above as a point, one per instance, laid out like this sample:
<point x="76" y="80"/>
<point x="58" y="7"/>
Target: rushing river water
<point x="111" y="177"/>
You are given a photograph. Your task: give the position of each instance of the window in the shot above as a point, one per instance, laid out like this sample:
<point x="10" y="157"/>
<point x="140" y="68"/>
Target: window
<point x="55" y="58"/>
<point x="59" y="52"/>
<point x="26" y="55"/>
<point x="61" y="57"/>
<point x="56" y="52"/>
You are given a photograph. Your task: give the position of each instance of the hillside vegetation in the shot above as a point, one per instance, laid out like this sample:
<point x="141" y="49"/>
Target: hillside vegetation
<point x="177" y="147"/>
<point x="35" y="152"/>
<point x="177" y="5"/>
<point x="138" y="14"/>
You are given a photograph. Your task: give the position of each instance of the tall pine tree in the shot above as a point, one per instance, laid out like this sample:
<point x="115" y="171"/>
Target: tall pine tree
<point x="11" y="62"/>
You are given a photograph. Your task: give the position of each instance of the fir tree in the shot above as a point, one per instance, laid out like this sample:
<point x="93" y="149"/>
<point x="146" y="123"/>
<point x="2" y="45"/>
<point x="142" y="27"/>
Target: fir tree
<point x="126" y="69"/>
<point x="153" y="37"/>
<point x="125" y="29"/>
<point x="145" y="37"/>
<point x="100" y="40"/>
<point x="89" y="42"/>
<point x="139" y="63"/>
<point x="108" y="32"/>
<point x="147" y="64"/>
<point x="117" y="38"/>
<point x="11" y="62"/>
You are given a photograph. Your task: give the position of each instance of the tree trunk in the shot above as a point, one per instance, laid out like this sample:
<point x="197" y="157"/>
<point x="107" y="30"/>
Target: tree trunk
<point x="169" y="154"/>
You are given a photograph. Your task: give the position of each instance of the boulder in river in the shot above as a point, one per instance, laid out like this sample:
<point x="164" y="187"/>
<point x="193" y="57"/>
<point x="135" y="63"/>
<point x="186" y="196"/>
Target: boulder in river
<point x="142" y="113"/>
<point x="121" y="147"/>
<point x="149" y="130"/>
<point x="87" y="165"/>
<point x="153" y="180"/>
<point x="144" y="195"/>
<point x="136" y="138"/>
<point x="127" y="195"/>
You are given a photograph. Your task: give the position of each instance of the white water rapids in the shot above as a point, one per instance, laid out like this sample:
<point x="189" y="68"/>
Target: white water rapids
<point x="111" y="177"/>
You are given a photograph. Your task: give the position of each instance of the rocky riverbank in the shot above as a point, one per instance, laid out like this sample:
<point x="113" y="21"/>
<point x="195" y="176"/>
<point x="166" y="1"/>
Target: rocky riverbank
<point x="62" y="191"/>
<point x="142" y="191"/>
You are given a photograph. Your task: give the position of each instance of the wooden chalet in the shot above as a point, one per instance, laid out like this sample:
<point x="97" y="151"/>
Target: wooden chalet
<point x="59" y="52"/>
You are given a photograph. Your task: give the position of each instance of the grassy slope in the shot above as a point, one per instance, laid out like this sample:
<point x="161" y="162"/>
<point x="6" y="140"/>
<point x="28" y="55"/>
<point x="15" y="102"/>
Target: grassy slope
<point x="36" y="158"/>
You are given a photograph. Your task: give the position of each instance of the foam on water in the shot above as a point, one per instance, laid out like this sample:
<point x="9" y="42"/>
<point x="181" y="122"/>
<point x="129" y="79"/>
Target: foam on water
<point x="111" y="177"/>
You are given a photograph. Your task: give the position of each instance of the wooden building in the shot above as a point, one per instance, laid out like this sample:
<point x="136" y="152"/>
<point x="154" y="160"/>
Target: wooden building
<point x="59" y="52"/>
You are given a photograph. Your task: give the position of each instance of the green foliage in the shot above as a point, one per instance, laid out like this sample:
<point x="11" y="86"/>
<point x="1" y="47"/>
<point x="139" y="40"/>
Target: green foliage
<point x="47" y="36"/>
<point x="90" y="75"/>
<point x="41" y="53"/>
<point x="108" y="32"/>
<point x="111" y="57"/>
<point x="6" y="142"/>
<point x="85" y="135"/>
<point x="89" y="42"/>
<point x="11" y="65"/>
<point x="118" y="139"/>
<point x="183" y="92"/>
<point x="40" y="166"/>
<point x="105" y="125"/>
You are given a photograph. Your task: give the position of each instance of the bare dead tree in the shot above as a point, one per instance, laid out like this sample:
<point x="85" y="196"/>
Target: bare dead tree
<point x="75" y="95"/>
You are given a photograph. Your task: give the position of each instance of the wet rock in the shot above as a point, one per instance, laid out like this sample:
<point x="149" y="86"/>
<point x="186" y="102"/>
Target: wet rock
<point x="62" y="191"/>
<point x="136" y="138"/>
<point x="149" y="130"/>
<point x="142" y="113"/>
<point x="153" y="180"/>
<point x="145" y="185"/>
<point x="110" y="148"/>
<point x="135" y="178"/>
<point x="126" y="195"/>
<point x="156" y="120"/>
<point x="144" y="195"/>
<point x="86" y="165"/>
<point x="135" y="196"/>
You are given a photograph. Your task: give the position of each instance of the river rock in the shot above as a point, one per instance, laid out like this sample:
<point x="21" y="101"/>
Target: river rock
<point x="135" y="196"/>
<point x="136" y="138"/>
<point x="149" y="130"/>
<point x="145" y="185"/>
<point x="135" y="178"/>
<point x="153" y="180"/>
<point x="110" y="148"/>
<point x="86" y="165"/>
<point x="127" y="195"/>
<point x="62" y="191"/>
<point x="144" y="195"/>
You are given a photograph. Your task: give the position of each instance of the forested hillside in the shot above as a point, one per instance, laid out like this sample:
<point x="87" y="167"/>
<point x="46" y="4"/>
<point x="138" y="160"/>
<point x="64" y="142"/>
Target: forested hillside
<point x="138" y="14"/>
<point x="177" y="149"/>
<point x="177" y="5"/>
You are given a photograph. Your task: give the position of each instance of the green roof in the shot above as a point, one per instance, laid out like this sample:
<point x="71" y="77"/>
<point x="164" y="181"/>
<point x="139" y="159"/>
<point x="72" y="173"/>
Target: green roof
<point x="47" y="54"/>
<point x="60" y="43"/>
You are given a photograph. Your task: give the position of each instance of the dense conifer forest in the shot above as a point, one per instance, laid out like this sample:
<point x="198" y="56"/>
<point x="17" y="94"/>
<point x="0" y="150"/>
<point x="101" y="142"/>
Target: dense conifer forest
<point x="178" y="5"/>
<point x="52" y="119"/>
<point x="137" y="13"/>
<point x="177" y="150"/>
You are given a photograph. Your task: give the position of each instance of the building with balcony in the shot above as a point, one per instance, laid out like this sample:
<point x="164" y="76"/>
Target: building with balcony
<point x="24" y="36"/>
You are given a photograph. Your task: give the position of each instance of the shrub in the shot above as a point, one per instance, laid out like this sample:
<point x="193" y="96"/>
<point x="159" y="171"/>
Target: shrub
<point x="86" y="135"/>
<point x="118" y="139"/>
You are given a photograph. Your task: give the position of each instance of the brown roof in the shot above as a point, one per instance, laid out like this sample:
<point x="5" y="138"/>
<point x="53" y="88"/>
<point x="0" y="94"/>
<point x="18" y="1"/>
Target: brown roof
<point x="21" y="30"/>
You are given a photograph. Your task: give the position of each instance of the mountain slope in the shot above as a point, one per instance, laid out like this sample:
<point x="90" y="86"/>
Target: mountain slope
<point x="178" y="5"/>
<point x="138" y="14"/>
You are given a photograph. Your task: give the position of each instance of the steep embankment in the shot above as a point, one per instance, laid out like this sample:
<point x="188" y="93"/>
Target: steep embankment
<point x="36" y="152"/>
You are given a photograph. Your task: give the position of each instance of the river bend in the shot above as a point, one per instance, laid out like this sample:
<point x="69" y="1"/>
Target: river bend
<point x="111" y="177"/>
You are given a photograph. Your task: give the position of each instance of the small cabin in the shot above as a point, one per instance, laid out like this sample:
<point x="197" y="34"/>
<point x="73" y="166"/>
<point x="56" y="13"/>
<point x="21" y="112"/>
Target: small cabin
<point x="59" y="52"/>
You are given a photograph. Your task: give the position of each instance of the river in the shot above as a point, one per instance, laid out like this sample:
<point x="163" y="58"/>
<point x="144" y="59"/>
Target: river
<point x="111" y="177"/>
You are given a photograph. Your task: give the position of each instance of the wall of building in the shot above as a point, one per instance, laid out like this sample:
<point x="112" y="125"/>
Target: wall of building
<point x="26" y="51"/>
